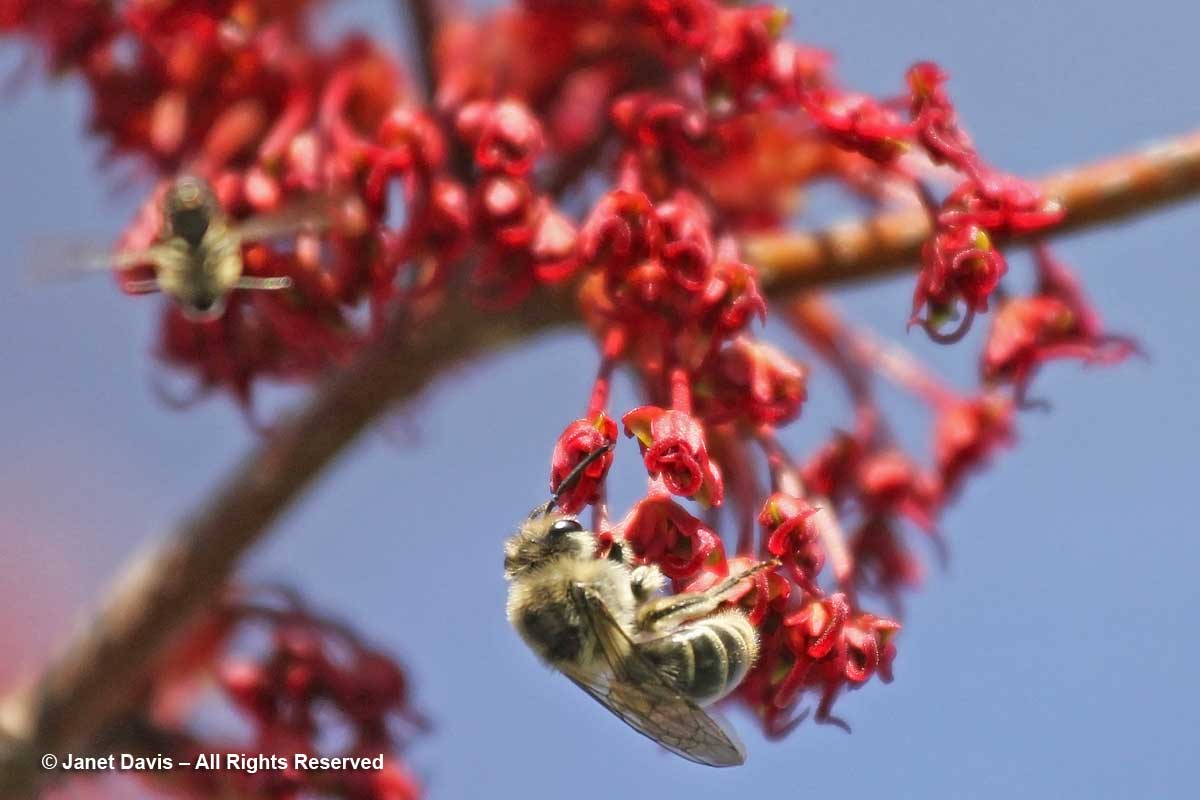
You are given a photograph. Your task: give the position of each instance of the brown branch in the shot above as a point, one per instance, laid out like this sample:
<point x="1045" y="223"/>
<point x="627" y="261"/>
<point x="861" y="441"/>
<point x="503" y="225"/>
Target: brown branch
<point x="97" y="677"/>
<point x="422" y="15"/>
<point x="1120" y="188"/>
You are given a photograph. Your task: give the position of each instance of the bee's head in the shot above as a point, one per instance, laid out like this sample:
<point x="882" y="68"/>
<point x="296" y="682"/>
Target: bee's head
<point x="545" y="538"/>
<point x="189" y="206"/>
<point x="547" y="534"/>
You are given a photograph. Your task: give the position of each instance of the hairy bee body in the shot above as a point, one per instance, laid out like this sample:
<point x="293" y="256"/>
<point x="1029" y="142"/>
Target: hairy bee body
<point x="539" y="607"/>
<point x="653" y="660"/>
<point x="197" y="254"/>
<point x="200" y="274"/>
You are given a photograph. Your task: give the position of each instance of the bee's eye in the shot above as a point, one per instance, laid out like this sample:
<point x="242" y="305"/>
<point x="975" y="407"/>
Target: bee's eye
<point x="565" y="526"/>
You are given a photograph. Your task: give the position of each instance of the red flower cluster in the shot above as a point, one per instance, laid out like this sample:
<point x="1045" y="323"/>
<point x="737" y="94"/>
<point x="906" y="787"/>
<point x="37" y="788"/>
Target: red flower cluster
<point x="961" y="264"/>
<point x="834" y="649"/>
<point x="527" y="240"/>
<point x="308" y="671"/>
<point x="621" y="147"/>
<point x="1054" y="322"/>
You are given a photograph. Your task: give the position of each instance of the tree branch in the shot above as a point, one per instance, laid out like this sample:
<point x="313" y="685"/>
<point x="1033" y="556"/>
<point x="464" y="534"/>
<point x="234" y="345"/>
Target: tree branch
<point x="424" y="19"/>
<point x="1120" y="188"/>
<point x="424" y="23"/>
<point x="98" y="675"/>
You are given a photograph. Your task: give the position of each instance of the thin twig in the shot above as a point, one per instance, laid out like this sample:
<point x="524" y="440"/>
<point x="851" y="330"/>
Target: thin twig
<point x="424" y="22"/>
<point x="422" y="16"/>
<point x="1120" y="188"/>
<point x="98" y="675"/>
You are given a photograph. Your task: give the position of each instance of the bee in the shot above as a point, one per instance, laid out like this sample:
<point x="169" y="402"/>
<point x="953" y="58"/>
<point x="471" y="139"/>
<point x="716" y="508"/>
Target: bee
<point x="197" y="257"/>
<point x="653" y="660"/>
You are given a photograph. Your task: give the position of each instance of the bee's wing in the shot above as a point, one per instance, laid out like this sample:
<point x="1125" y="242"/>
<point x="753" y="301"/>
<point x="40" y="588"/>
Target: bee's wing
<point x="635" y="691"/>
<point x="306" y="215"/>
<point x="59" y="259"/>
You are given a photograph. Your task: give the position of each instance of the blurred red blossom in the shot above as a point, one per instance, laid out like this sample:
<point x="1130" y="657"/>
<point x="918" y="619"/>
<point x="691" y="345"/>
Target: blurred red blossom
<point x="283" y="670"/>
<point x="1055" y="322"/>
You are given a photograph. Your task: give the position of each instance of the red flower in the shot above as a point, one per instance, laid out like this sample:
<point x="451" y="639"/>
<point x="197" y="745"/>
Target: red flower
<point x="888" y="482"/>
<point x="621" y="231"/>
<point x="786" y="522"/>
<point x="752" y="382"/>
<point x="834" y="649"/>
<point x="1001" y="204"/>
<point x="833" y="470"/>
<point x="688" y="249"/>
<point x="936" y="120"/>
<point x="651" y="123"/>
<point x="883" y="563"/>
<point x="506" y="136"/>
<point x="956" y="264"/>
<point x="662" y="532"/>
<point x="813" y="633"/>
<point x="580" y="439"/>
<point x="857" y="122"/>
<point x="685" y="22"/>
<point x="281" y="686"/>
<point x="739" y="56"/>
<point x="673" y="448"/>
<point x="870" y="649"/>
<point x="732" y="298"/>
<point x="1056" y="322"/>
<point x="967" y="433"/>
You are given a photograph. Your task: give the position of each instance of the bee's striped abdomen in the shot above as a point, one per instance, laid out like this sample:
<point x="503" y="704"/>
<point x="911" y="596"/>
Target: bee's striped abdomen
<point x="708" y="658"/>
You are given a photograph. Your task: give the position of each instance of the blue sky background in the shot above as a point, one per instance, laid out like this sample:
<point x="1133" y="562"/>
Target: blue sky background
<point x="1055" y="656"/>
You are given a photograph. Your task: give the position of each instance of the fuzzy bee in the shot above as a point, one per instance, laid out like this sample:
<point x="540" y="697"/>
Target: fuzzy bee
<point x="197" y="257"/>
<point x="653" y="660"/>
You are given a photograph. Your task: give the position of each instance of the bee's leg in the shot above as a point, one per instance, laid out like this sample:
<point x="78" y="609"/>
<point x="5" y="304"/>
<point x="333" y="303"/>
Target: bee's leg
<point x="142" y="287"/>
<point x="619" y="553"/>
<point x="668" y="612"/>
<point x="264" y="284"/>
<point x="645" y="581"/>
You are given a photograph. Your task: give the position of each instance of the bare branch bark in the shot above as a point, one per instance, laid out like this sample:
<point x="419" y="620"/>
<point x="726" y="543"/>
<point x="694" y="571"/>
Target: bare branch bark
<point x="98" y="675"/>
<point x="1120" y="188"/>
<point x="422" y="16"/>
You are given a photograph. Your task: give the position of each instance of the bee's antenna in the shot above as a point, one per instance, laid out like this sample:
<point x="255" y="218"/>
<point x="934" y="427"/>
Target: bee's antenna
<point x="574" y="475"/>
<point x="569" y="482"/>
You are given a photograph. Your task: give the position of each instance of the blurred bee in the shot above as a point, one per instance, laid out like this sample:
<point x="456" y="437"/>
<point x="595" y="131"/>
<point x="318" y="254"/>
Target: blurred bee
<point x="654" y="661"/>
<point x="197" y="257"/>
